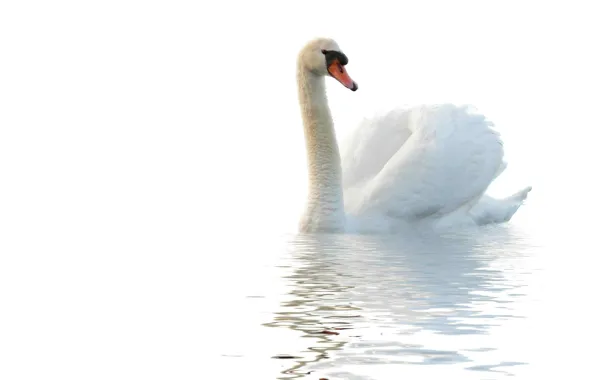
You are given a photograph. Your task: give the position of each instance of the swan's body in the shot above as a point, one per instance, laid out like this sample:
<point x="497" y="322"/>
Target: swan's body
<point x="428" y="165"/>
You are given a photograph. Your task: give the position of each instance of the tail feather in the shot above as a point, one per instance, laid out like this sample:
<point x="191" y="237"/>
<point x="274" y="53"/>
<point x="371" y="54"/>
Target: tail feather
<point x="490" y="210"/>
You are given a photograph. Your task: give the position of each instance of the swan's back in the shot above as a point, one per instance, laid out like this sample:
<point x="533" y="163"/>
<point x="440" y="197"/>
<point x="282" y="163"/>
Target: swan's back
<point x="421" y="162"/>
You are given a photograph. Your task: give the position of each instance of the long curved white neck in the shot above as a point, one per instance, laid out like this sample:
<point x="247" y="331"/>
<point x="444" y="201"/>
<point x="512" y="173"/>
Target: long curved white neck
<point x="325" y="205"/>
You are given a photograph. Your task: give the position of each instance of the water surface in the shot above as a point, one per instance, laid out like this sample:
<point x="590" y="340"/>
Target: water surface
<point x="159" y="300"/>
<point x="482" y="304"/>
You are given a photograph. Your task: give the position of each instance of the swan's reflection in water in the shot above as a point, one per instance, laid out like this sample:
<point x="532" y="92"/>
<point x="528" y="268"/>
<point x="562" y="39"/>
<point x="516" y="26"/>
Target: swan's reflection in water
<point x="421" y="300"/>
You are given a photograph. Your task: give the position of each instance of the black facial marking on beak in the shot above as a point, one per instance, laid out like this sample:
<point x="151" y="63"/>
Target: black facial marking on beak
<point x="332" y="55"/>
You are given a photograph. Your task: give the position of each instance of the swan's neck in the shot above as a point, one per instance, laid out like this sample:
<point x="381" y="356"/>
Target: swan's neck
<point x="325" y="206"/>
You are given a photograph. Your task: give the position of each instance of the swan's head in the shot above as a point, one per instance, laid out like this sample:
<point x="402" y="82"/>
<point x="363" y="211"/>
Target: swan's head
<point x="323" y="56"/>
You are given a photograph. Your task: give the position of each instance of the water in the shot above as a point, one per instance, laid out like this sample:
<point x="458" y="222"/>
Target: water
<point x="422" y="301"/>
<point x="477" y="305"/>
<point x="159" y="302"/>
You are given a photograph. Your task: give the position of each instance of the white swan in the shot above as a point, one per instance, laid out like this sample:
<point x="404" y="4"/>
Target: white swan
<point x="427" y="165"/>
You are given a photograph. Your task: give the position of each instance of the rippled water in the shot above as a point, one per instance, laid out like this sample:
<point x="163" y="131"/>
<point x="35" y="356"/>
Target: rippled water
<point x="482" y="304"/>
<point x="485" y="304"/>
<point x="385" y="301"/>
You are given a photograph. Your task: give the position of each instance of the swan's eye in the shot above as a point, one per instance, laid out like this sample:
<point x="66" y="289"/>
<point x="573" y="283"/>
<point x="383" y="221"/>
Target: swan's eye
<point x="324" y="51"/>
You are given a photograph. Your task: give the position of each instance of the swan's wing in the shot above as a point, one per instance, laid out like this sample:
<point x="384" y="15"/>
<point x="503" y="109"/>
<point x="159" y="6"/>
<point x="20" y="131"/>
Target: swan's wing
<point x="372" y="144"/>
<point x="447" y="163"/>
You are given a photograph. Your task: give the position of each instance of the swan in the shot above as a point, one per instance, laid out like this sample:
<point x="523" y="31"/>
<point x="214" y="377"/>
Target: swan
<point x="427" y="165"/>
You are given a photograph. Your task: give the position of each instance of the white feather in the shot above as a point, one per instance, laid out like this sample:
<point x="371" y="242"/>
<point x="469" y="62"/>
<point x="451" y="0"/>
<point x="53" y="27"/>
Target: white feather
<point x="426" y="162"/>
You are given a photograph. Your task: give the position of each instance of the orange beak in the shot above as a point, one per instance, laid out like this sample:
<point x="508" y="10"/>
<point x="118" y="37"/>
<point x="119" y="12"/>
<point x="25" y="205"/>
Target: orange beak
<point x="338" y="71"/>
